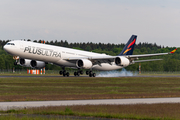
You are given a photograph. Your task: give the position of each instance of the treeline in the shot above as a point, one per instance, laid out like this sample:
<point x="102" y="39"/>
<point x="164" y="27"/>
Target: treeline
<point x="169" y="62"/>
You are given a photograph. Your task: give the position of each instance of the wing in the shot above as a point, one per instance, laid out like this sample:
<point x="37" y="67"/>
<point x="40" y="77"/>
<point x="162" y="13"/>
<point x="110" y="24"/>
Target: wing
<point x="136" y="57"/>
<point x="108" y="59"/>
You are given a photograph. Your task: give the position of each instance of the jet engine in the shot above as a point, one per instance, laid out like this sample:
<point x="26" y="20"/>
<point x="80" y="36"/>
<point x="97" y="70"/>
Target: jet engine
<point x="122" y="61"/>
<point x="84" y="63"/>
<point x="24" y="62"/>
<point x="37" y="64"/>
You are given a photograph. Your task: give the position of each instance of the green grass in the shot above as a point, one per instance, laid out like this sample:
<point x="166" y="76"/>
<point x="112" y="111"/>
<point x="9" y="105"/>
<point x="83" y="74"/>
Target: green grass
<point x="160" y="73"/>
<point x="12" y="117"/>
<point x="136" y="111"/>
<point x="32" y="117"/>
<point x="73" y="88"/>
<point x="64" y="88"/>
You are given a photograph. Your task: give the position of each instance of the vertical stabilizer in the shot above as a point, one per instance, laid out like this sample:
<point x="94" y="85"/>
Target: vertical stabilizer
<point x="129" y="47"/>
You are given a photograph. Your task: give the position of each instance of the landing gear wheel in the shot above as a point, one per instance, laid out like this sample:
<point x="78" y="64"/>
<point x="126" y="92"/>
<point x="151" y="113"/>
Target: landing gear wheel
<point x="75" y="73"/>
<point x="67" y="74"/>
<point x="78" y="74"/>
<point x="90" y="75"/>
<point x="64" y="74"/>
<point x="90" y="72"/>
<point x="60" y="72"/>
<point x="87" y="72"/>
<point x="94" y="74"/>
<point x="81" y="72"/>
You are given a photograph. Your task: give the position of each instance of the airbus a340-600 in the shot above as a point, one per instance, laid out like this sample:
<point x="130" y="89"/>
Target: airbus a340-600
<point x="37" y="55"/>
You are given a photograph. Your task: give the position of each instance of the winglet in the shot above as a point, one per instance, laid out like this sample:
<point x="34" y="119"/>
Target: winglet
<point x="173" y="51"/>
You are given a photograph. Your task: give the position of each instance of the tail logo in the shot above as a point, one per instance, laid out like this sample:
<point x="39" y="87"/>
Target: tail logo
<point x="127" y="51"/>
<point x="131" y="44"/>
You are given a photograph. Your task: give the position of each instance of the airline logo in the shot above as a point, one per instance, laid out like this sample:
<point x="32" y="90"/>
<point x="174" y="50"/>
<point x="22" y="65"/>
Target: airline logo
<point x="131" y="44"/>
<point x="173" y="51"/>
<point x="127" y="50"/>
<point x="42" y="51"/>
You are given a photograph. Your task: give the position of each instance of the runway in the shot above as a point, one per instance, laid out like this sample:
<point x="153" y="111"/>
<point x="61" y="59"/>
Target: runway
<point x="39" y="76"/>
<point x="28" y="104"/>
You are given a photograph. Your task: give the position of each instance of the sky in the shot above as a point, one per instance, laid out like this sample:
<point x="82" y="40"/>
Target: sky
<point x="105" y="21"/>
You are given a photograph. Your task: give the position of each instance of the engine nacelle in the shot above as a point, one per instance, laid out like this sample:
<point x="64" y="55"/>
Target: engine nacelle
<point x="122" y="61"/>
<point x="84" y="63"/>
<point x="24" y="62"/>
<point x="37" y="64"/>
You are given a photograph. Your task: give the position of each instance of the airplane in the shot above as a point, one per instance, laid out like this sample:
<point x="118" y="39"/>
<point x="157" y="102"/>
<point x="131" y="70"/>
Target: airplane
<point x="37" y="55"/>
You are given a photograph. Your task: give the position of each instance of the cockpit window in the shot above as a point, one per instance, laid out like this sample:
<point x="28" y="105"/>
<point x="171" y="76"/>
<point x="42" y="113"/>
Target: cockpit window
<point x="10" y="44"/>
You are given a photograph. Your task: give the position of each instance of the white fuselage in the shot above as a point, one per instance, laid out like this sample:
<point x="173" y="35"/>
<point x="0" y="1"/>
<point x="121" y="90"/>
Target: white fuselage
<point x="54" y="54"/>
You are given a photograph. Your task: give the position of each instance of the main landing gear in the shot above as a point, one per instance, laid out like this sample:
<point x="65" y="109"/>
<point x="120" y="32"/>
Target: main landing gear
<point x="90" y="73"/>
<point x="78" y="73"/>
<point x="64" y="73"/>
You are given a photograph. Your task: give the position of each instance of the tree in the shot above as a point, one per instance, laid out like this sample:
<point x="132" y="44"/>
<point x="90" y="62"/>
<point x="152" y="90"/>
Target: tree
<point x="2" y="62"/>
<point x="88" y="48"/>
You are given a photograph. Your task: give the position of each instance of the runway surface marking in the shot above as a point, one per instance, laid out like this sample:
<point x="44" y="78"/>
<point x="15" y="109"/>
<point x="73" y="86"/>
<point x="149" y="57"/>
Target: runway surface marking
<point x="27" y="104"/>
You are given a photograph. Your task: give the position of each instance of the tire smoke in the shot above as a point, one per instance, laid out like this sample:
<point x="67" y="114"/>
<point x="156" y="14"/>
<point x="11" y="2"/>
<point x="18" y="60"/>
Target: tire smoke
<point x="116" y="73"/>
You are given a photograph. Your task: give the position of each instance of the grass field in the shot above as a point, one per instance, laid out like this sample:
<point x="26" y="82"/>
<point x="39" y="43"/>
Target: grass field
<point x="137" y="111"/>
<point x="73" y="88"/>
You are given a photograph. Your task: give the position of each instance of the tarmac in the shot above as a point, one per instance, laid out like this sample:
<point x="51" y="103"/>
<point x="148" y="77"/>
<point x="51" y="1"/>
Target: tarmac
<point x="29" y="104"/>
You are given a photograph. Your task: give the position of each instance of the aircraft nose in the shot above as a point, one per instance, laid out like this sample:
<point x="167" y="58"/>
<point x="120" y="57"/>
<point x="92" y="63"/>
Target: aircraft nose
<point x="5" y="47"/>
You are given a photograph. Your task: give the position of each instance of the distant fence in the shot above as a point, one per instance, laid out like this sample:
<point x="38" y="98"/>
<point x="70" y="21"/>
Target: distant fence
<point x="8" y="71"/>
